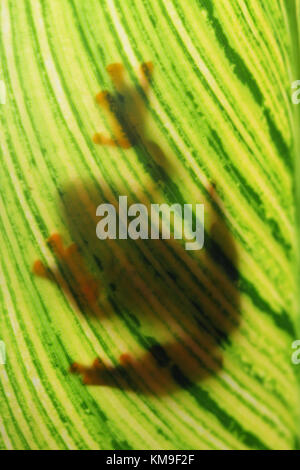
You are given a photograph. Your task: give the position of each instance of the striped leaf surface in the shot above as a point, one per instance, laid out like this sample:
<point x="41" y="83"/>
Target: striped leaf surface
<point x="194" y="347"/>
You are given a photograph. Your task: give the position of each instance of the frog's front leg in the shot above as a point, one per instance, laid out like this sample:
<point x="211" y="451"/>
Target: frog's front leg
<point x="108" y="102"/>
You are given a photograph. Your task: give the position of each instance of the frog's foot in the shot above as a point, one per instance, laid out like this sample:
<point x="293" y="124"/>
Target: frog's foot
<point x="91" y="375"/>
<point x="108" y="102"/>
<point x="116" y="73"/>
<point x="100" y="374"/>
<point x="125" y="359"/>
<point x="146" y="74"/>
<point x="83" y="284"/>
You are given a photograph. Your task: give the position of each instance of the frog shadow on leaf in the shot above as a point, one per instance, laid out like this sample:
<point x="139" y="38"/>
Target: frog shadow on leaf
<point x="190" y="299"/>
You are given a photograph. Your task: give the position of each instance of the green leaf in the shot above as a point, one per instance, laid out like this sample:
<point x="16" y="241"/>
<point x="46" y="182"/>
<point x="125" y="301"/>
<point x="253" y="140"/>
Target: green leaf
<point x="194" y="347"/>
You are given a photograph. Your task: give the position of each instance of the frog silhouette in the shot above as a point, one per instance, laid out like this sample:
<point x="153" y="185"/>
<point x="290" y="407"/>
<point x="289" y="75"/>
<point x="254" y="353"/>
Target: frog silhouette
<point x="181" y="308"/>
